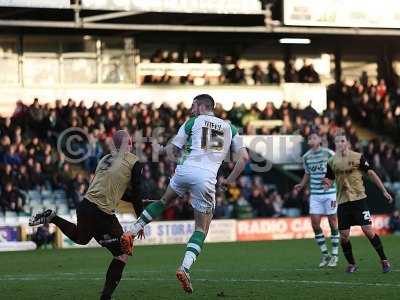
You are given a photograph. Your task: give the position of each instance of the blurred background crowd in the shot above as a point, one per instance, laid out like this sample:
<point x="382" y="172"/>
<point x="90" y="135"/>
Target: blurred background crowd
<point x="29" y="158"/>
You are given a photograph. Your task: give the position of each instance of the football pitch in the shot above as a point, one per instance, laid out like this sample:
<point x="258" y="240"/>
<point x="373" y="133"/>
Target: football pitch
<point x="252" y="270"/>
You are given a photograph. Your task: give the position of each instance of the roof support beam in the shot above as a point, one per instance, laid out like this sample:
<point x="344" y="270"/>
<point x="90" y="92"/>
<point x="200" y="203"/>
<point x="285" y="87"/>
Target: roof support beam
<point x="109" y="16"/>
<point x="193" y="28"/>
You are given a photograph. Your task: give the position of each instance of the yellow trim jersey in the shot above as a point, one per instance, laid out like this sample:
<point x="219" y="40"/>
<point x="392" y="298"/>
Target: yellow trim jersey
<point x="115" y="176"/>
<point x="347" y="171"/>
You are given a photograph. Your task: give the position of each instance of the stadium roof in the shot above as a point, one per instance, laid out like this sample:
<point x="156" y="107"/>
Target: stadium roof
<point x="78" y="18"/>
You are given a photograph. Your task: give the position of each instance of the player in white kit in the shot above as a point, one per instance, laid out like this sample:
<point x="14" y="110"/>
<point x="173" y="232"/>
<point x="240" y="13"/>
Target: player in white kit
<point x="322" y="201"/>
<point x="204" y="141"/>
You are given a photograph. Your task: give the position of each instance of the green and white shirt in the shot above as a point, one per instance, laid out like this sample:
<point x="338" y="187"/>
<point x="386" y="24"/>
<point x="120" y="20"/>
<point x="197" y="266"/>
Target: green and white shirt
<point x="206" y="140"/>
<point x="315" y="164"/>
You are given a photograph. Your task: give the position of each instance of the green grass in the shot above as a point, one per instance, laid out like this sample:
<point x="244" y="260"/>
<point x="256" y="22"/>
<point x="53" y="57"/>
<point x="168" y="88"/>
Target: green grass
<point x="257" y="270"/>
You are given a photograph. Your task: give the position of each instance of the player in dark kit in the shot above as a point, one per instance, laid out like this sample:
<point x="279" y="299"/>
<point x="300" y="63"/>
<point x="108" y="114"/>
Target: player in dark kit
<point x="346" y="167"/>
<point x="117" y="178"/>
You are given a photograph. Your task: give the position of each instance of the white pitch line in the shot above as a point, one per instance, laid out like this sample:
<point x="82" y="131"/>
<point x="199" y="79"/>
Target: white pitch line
<point x="283" y="281"/>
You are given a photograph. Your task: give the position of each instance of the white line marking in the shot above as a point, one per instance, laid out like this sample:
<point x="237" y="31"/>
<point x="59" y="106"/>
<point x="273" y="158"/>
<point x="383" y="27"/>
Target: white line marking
<point x="283" y="281"/>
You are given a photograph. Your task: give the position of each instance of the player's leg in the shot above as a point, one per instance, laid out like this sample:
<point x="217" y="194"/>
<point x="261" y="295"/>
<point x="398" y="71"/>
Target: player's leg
<point x="344" y="223"/>
<point x="114" y="275"/>
<point x="347" y="250"/>
<point x="320" y="239"/>
<point x="154" y="210"/>
<point x="331" y="210"/>
<point x="195" y="244"/>
<point x="378" y="246"/>
<point x="202" y="191"/>
<point x="81" y="233"/>
<point x="193" y="248"/>
<point x="333" y="224"/>
<point x="317" y="209"/>
<point x="108" y="226"/>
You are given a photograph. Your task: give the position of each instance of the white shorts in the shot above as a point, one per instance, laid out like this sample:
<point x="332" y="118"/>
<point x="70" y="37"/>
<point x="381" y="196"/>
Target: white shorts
<point x="323" y="204"/>
<point x="201" y="185"/>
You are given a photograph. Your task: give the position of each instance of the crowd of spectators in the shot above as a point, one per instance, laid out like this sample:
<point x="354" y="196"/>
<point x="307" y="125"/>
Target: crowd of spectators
<point x="29" y="158"/>
<point x="231" y="71"/>
<point x="374" y="106"/>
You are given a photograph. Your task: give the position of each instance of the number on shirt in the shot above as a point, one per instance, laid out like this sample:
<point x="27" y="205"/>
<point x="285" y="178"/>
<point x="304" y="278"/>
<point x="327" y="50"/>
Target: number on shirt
<point x="367" y="215"/>
<point x="214" y="141"/>
<point x="107" y="163"/>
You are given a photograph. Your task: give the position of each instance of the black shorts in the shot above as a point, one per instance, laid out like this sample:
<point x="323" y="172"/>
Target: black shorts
<point x="95" y="223"/>
<point x="353" y="213"/>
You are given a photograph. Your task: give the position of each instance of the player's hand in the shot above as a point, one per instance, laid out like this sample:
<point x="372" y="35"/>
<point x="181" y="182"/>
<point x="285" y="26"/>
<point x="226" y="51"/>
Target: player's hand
<point x="157" y="148"/>
<point x="127" y="243"/>
<point x="224" y="184"/>
<point x="141" y="235"/>
<point x="388" y="196"/>
<point x="327" y="183"/>
<point x="298" y="187"/>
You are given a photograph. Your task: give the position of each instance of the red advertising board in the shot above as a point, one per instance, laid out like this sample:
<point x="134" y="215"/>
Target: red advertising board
<point x="295" y="228"/>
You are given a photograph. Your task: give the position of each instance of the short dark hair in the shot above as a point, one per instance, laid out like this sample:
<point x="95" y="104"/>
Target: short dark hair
<point x="206" y="100"/>
<point x="341" y="132"/>
<point x="315" y="130"/>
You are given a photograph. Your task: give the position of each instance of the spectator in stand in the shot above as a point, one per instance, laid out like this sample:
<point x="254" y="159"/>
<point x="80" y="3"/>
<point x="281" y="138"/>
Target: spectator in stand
<point x="236" y="75"/>
<point x="7" y="176"/>
<point x="307" y="74"/>
<point x="77" y="195"/>
<point x="292" y="204"/>
<point x="364" y="78"/>
<point x="273" y="75"/>
<point x="6" y="128"/>
<point x="309" y="113"/>
<point x="394" y="222"/>
<point x="12" y="199"/>
<point x="43" y="237"/>
<point x="38" y="178"/>
<point x="24" y="181"/>
<point x="221" y="208"/>
<point x="258" y="75"/>
<point x="396" y="172"/>
<point x="11" y="157"/>
<point x="331" y="112"/>
<point x="157" y="56"/>
<point x="291" y="74"/>
<point x="197" y="57"/>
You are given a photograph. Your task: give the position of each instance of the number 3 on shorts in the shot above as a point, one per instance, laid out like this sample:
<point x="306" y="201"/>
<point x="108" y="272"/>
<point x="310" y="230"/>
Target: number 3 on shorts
<point x="367" y="215"/>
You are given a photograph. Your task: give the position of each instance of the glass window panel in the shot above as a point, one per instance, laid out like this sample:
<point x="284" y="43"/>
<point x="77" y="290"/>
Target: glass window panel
<point x="79" y="70"/>
<point x="41" y="71"/>
<point x="9" y="69"/>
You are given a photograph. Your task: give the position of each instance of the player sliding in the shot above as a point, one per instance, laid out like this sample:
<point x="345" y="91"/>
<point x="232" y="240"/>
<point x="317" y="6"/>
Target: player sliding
<point x="117" y="177"/>
<point x="322" y="202"/>
<point x="346" y="168"/>
<point x="205" y="140"/>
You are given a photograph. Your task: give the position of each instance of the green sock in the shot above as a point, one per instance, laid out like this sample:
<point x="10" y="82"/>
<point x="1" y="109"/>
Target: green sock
<point x="152" y="211"/>
<point x="320" y="238"/>
<point x="335" y="242"/>
<point x="193" y="249"/>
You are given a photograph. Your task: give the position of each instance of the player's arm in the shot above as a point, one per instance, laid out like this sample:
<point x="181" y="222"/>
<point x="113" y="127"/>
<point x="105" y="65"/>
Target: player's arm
<point x="241" y="156"/>
<point x="304" y="180"/>
<point x="133" y="193"/>
<point x="366" y="167"/>
<point x="174" y="148"/>
<point x="329" y="177"/>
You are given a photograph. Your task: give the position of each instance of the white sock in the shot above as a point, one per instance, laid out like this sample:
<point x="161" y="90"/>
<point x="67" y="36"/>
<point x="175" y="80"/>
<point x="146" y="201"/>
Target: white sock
<point x="188" y="260"/>
<point x="136" y="227"/>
